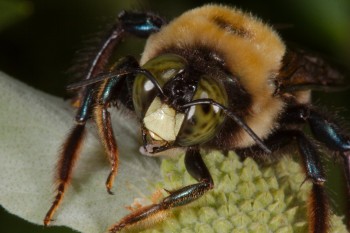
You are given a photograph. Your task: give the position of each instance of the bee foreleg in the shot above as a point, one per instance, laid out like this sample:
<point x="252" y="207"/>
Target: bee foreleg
<point x="104" y="125"/>
<point x="108" y="93"/>
<point x="197" y="169"/>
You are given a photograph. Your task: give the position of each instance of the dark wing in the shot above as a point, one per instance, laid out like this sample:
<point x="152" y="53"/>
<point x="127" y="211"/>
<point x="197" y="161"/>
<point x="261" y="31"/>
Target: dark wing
<point x="302" y="70"/>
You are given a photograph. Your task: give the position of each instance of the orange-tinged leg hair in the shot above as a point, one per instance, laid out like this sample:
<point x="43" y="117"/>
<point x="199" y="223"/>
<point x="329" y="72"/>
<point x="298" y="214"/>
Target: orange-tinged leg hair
<point x="68" y="156"/>
<point x="318" y="210"/>
<point x="103" y="121"/>
<point x="108" y="93"/>
<point x="102" y="117"/>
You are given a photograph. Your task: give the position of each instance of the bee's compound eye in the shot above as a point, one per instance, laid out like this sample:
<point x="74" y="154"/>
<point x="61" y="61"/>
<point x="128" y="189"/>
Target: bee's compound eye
<point x="202" y="122"/>
<point x="163" y="68"/>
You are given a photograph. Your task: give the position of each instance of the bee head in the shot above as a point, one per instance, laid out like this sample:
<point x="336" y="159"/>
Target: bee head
<point x="164" y="114"/>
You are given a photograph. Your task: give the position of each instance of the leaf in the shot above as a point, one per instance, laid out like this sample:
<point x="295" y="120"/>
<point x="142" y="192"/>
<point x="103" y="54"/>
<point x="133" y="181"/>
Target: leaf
<point x="33" y="125"/>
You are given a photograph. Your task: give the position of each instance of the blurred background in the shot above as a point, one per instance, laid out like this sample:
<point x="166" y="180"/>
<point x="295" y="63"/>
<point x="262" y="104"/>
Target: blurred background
<point x="39" y="40"/>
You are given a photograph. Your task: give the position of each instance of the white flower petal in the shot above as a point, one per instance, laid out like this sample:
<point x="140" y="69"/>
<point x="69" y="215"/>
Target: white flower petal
<point x="32" y="127"/>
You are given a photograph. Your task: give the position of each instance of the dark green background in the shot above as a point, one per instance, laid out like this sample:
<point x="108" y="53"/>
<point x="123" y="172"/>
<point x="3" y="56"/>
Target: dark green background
<point x="38" y="40"/>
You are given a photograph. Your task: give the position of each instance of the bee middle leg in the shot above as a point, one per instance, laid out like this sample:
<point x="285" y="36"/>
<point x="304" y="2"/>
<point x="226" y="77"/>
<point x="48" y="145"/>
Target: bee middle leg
<point x="70" y="152"/>
<point x="197" y="169"/>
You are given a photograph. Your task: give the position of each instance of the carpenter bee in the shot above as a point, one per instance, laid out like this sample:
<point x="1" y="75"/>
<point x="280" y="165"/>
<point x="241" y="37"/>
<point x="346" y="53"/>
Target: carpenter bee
<point x="213" y="78"/>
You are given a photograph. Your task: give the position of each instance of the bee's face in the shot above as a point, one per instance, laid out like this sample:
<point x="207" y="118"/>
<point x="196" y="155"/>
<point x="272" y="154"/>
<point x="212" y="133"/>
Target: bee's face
<point x="165" y="118"/>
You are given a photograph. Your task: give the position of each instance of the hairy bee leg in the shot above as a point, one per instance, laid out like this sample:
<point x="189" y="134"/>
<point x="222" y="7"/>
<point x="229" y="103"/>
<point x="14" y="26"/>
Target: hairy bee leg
<point x="128" y="23"/>
<point x="318" y="210"/>
<point x="104" y="126"/>
<point x="323" y="128"/>
<point x="197" y="169"/>
<point x="137" y="24"/>
<point x="107" y="94"/>
<point x="70" y="152"/>
<point x="329" y="133"/>
<point x="312" y="163"/>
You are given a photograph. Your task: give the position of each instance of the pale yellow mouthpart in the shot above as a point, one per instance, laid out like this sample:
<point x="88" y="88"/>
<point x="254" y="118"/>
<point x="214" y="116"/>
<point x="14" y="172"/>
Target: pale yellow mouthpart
<point x="162" y="121"/>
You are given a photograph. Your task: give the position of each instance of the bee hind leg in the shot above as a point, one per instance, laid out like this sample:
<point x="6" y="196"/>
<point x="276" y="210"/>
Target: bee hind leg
<point x="318" y="208"/>
<point x="334" y="137"/>
<point x="327" y="131"/>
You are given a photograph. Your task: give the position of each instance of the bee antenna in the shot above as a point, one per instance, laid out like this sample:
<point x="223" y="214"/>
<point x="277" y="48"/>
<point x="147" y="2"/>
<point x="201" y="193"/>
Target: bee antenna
<point x="150" y="76"/>
<point x="99" y="78"/>
<point x="119" y="74"/>
<point x="233" y="116"/>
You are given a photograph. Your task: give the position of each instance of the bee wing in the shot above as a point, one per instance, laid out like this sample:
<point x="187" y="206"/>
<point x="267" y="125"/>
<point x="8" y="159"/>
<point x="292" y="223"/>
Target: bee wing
<point x="304" y="70"/>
